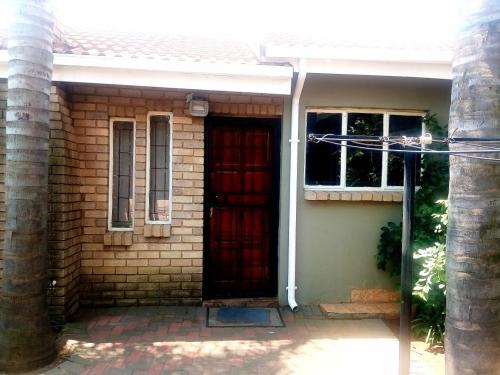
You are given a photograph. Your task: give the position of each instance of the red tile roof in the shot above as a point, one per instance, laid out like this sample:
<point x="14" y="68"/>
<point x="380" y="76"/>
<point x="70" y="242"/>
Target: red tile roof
<point x="175" y="47"/>
<point x="193" y="48"/>
<point x="156" y="46"/>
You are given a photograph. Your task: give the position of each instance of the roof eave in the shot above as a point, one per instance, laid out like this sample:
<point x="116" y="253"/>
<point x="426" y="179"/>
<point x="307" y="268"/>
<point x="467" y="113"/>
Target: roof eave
<point x="376" y="62"/>
<point x="232" y="77"/>
<point x="381" y="68"/>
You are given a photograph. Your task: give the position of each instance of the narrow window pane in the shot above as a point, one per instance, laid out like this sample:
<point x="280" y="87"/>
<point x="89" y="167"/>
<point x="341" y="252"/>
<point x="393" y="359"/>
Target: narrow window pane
<point x="323" y="159"/>
<point x="159" y="168"/>
<point x="364" y="168"/>
<point x="123" y="143"/>
<point x="398" y="126"/>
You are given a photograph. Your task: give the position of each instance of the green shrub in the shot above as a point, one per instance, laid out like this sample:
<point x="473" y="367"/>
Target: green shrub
<point x="433" y="186"/>
<point x="428" y="244"/>
<point x="430" y="287"/>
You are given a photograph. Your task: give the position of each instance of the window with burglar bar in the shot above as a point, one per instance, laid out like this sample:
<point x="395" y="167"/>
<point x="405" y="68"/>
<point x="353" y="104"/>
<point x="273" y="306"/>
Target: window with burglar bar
<point x="159" y="168"/>
<point x="122" y="135"/>
<point x="330" y="166"/>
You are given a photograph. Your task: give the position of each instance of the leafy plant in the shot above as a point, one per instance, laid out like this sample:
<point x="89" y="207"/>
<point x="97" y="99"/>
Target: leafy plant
<point x="388" y="256"/>
<point x="433" y="186"/>
<point x="428" y="245"/>
<point x="430" y="288"/>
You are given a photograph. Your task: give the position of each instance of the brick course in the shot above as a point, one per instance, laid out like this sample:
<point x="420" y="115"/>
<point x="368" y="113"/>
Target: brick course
<point x="153" y="264"/>
<point x="65" y="217"/>
<point x="3" y="110"/>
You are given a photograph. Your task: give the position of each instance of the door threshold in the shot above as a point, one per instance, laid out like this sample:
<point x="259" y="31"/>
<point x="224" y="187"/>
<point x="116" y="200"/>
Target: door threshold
<point x="242" y="302"/>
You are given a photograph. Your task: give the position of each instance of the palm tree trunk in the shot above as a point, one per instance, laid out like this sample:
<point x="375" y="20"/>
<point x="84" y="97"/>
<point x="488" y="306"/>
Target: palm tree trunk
<point x="26" y="339"/>
<point x="473" y="247"/>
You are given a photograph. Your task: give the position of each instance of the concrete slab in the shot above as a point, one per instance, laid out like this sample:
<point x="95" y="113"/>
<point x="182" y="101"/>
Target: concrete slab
<point x="387" y="310"/>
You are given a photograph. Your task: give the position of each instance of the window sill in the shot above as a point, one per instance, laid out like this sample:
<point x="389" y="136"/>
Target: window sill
<point x="118" y="238"/>
<point x="356" y="196"/>
<point x="157" y="230"/>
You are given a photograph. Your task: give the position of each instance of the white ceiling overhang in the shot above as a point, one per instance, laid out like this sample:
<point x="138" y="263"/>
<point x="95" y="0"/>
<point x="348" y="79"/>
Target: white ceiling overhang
<point x="232" y="77"/>
<point x="366" y="61"/>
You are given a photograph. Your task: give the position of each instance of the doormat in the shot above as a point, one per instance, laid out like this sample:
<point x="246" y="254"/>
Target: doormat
<point x="244" y="317"/>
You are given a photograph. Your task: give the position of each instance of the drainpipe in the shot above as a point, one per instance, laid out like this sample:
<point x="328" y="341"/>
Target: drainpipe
<point x="292" y="220"/>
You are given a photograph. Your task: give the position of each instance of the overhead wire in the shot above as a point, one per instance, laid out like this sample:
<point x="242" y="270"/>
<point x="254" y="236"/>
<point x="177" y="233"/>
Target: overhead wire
<point x="422" y="150"/>
<point x="472" y="144"/>
<point x="458" y="152"/>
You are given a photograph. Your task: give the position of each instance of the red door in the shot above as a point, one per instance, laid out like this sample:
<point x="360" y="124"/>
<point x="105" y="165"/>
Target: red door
<point x="241" y="207"/>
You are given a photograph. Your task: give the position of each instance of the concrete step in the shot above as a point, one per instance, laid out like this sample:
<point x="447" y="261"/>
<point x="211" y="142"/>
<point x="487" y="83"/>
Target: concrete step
<point x="355" y="310"/>
<point x="374" y="295"/>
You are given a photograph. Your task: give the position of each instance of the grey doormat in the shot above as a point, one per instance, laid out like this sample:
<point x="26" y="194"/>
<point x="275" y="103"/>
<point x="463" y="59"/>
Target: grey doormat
<point x="244" y="317"/>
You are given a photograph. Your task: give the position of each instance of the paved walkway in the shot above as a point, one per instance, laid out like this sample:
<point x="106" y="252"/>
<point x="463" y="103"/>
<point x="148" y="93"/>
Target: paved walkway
<point x="175" y="340"/>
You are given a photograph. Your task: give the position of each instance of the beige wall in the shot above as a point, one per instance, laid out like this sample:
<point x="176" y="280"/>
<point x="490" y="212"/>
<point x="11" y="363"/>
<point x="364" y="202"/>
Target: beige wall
<point x="144" y="266"/>
<point x="91" y="265"/>
<point x="337" y="240"/>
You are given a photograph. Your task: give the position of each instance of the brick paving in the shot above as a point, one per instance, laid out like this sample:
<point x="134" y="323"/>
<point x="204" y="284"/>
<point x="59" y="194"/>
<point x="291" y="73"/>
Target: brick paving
<point x="176" y="340"/>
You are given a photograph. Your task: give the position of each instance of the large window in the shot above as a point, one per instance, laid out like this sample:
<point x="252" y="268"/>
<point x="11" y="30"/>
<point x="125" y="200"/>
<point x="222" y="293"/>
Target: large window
<point x="122" y="135"/>
<point x="159" y="168"/>
<point x="331" y="166"/>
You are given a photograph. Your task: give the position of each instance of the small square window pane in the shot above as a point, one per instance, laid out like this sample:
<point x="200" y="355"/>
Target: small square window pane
<point x="323" y="159"/>
<point x="401" y="125"/>
<point x="364" y="168"/>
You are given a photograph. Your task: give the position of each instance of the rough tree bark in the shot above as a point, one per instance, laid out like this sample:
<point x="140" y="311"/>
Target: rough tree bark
<point x="26" y="339"/>
<point x="473" y="248"/>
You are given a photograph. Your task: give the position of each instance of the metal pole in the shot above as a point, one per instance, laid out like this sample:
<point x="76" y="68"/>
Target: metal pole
<point x="406" y="264"/>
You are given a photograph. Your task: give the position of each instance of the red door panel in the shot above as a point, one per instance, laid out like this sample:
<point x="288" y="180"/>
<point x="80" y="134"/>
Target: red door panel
<point x="241" y="207"/>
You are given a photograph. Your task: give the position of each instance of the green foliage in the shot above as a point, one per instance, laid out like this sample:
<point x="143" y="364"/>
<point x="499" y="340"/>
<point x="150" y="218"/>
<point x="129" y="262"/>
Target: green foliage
<point x="429" y="244"/>
<point x="363" y="167"/>
<point x="388" y="256"/>
<point x="433" y="186"/>
<point x="432" y="277"/>
<point x="430" y="287"/>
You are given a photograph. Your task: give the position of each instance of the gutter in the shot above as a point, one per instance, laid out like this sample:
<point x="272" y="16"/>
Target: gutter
<point x="292" y="220"/>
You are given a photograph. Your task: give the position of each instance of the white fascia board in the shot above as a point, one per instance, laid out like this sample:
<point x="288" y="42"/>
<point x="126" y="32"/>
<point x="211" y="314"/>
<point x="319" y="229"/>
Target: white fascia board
<point x="262" y="79"/>
<point x="367" y="61"/>
<point x="172" y="66"/>
<point x="361" y="54"/>
<point x="378" y="68"/>
<point x="174" y="80"/>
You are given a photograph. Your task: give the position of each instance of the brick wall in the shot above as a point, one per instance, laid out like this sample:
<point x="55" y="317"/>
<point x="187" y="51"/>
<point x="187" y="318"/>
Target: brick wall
<point x="3" y="110"/>
<point x="64" y="226"/>
<point x="157" y="264"/>
<point x="151" y="265"/>
<point x="64" y="210"/>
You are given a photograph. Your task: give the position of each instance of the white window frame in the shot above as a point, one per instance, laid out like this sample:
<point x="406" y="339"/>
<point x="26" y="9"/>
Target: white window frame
<point x="148" y="161"/>
<point x="343" y="152"/>
<point x="110" y="174"/>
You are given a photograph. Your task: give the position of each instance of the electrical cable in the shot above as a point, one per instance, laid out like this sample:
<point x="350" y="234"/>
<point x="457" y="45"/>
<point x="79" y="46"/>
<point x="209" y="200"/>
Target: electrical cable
<point x="423" y="151"/>
<point x="471" y="156"/>
<point x="428" y="151"/>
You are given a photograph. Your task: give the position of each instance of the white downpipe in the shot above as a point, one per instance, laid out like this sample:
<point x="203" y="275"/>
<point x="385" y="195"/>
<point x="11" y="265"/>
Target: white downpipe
<point x="292" y="220"/>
